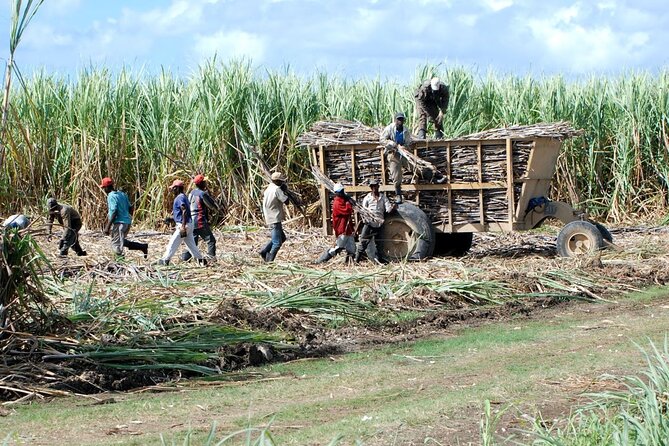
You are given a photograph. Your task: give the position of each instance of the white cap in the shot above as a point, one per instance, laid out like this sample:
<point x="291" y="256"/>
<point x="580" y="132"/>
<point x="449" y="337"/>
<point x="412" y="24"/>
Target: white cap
<point x="278" y="176"/>
<point x="338" y="188"/>
<point x="434" y="83"/>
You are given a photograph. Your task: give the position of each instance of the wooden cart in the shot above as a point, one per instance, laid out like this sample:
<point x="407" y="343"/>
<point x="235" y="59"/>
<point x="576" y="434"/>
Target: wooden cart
<point x="495" y="181"/>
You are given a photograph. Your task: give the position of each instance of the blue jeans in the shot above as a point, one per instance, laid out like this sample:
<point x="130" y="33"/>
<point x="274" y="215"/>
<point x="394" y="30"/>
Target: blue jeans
<point x="278" y="237"/>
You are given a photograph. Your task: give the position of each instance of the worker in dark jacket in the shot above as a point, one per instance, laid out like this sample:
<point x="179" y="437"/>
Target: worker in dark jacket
<point x="70" y="220"/>
<point x="200" y="205"/>
<point x="431" y="102"/>
<point x="342" y="225"/>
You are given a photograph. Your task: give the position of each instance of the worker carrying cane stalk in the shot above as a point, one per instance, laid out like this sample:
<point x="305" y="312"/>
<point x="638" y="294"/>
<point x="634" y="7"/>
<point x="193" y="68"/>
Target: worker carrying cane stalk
<point x="274" y="199"/>
<point x="379" y="205"/>
<point x="201" y="203"/>
<point x="395" y="139"/>
<point x="342" y="224"/>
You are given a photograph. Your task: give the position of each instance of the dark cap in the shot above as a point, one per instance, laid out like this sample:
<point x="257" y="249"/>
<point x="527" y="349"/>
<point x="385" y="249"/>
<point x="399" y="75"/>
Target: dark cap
<point x="400" y="115"/>
<point x="373" y="182"/>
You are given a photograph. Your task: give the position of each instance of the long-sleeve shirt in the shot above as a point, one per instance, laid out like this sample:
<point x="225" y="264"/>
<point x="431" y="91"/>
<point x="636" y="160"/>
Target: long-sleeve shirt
<point x="68" y="217"/>
<point x="119" y="204"/>
<point x="181" y="209"/>
<point x="428" y="97"/>
<point x="390" y="137"/>
<point x="380" y="206"/>
<point x="200" y="203"/>
<point x="342" y="213"/>
<point x="272" y="204"/>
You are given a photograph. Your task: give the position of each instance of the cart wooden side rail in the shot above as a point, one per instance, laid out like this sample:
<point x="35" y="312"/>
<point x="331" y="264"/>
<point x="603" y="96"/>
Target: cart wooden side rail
<point x="491" y="185"/>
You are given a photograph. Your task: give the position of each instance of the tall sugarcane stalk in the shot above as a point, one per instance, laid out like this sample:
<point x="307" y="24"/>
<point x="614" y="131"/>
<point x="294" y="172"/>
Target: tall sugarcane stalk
<point x="21" y="17"/>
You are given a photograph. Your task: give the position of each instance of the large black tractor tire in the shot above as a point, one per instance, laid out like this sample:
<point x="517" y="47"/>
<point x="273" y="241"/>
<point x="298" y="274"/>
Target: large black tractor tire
<point x="407" y="234"/>
<point x="579" y="238"/>
<point x="453" y="244"/>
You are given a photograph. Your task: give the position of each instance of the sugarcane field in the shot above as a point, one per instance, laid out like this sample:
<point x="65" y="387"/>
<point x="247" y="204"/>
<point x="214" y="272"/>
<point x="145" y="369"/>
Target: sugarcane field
<point x="207" y="249"/>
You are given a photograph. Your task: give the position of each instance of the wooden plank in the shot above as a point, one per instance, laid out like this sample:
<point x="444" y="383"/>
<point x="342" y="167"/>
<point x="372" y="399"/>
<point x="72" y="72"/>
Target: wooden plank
<point x="324" y="195"/>
<point x="509" y="177"/>
<point x="353" y="166"/>
<point x="449" y="202"/>
<point x="383" y="169"/>
<point x="431" y="187"/>
<point x="479" y="156"/>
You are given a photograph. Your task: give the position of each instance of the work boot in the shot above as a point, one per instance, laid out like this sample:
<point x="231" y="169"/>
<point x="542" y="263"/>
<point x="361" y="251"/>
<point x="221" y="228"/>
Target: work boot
<point x="82" y="253"/>
<point x="62" y="253"/>
<point x="270" y="256"/>
<point x="163" y="262"/>
<point x="438" y="134"/>
<point x="421" y="134"/>
<point x="358" y="256"/>
<point x="145" y="250"/>
<point x="324" y="257"/>
<point x="202" y="262"/>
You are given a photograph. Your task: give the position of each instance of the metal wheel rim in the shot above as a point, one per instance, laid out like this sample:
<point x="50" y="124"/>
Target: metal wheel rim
<point x="398" y="239"/>
<point x="580" y="243"/>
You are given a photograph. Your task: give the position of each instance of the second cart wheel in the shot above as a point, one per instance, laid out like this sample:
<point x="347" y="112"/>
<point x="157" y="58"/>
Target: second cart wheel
<point x="407" y="234"/>
<point x="579" y="238"/>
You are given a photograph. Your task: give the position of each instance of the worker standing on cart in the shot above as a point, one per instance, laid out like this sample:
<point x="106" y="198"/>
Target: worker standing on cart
<point x="431" y="102"/>
<point x="394" y="137"/>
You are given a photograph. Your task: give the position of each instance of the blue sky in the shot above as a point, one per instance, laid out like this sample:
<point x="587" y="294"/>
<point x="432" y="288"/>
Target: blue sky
<point x="353" y="38"/>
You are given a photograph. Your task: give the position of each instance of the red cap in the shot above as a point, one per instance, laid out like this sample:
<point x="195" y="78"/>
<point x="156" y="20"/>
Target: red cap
<point x="199" y="179"/>
<point x="106" y="182"/>
<point x="177" y="183"/>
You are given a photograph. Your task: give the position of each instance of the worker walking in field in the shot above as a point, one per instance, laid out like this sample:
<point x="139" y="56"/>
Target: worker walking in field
<point x="379" y="205"/>
<point x="184" y="227"/>
<point x="119" y="220"/>
<point x="431" y="102"/>
<point x="201" y="203"/>
<point x="70" y="220"/>
<point x="394" y="137"/>
<point x="342" y="224"/>
<point x="274" y="199"/>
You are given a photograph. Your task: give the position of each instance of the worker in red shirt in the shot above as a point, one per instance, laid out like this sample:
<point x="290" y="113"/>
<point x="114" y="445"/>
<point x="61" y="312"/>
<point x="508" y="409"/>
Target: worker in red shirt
<point x="342" y="224"/>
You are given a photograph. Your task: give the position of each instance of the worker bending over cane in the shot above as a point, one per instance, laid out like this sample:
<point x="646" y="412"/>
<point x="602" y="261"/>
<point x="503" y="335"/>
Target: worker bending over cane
<point x="70" y="220"/>
<point x="342" y="224"/>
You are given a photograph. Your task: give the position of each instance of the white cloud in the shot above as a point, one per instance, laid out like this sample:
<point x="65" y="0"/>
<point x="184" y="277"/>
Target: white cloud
<point x="230" y="45"/>
<point x="497" y="5"/>
<point x="41" y="36"/>
<point x="179" y="17"/>
<point x="582" y="49"/>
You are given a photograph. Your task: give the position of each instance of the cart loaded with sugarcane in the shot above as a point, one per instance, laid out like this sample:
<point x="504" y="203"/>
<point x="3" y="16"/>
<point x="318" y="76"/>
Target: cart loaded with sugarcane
<point x="496" y="180"/>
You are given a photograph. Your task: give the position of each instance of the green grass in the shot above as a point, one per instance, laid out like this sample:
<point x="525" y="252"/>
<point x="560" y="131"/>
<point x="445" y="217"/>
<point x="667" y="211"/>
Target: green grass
<point x="414" y="390"/>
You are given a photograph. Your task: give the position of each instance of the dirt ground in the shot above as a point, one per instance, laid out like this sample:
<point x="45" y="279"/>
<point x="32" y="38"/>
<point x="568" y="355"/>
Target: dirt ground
<point x="523" y="263"/>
